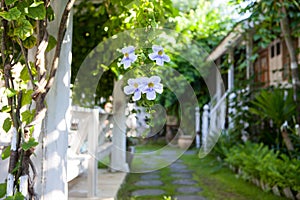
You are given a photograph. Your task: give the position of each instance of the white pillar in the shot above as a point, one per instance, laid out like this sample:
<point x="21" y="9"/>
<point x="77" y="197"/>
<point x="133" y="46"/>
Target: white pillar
<point x="205" y="126"/>
<point x="231" y="70"/>
<point x="51" y="160"/>
<point x="118" y="156"/>
<point x="197" y="128"/>
<point x="92" y="146"/>
<point x="249" y="53"/>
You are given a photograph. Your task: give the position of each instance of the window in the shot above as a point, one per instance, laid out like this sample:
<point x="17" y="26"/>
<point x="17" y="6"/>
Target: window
<point x="277" y="48"/>
<point x="272" y="51"/>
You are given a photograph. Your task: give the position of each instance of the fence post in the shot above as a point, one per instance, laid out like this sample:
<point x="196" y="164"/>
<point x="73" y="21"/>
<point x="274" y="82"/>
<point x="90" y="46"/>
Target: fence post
<point x="231" y="110"/>
<point x="205" y="125"/>
<point x="197" y="128"/>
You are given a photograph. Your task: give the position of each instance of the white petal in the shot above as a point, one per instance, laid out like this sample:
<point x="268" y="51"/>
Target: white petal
<point x="144" y="80"/>
<point x="151" y="95"/>
<point x="155" y="79"/>
<point x="131" y="81"/>
<point x="159" y="61"/>
<point x="158" y="88"/>
<point x="127" y="63"/>
<point x="157" y="48"/>
<point x="153" y="56"/>
<point x="128" y="49"/>
<point x="132" y="57"/>
<point x="165" y="58"/>
<point x="137" y="95"/>
<point x="129" y="90"/>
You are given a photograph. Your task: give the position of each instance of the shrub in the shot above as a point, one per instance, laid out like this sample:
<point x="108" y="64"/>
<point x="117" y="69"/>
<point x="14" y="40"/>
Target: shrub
<point x="258" y="161"/>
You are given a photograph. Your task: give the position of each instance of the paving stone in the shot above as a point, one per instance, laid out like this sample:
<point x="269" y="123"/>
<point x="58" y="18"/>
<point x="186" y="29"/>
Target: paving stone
<point x="183" y="175"/>
<point x="181" y="170"/>
<point x="149" y="176"/>
<point x="178" y="161"/>
<point x="189" y="197"/>
<point x="190" y="152"/>
<point x="178" y="166"/>
<point x="184" y="182"/>
<point x="188" y="190"/>
<point x="149" y="183"/>
<point x="148" y="192"/>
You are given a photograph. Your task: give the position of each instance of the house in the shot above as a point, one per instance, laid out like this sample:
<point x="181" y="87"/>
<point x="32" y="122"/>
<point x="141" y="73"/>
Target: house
<point x="237" y="62"/>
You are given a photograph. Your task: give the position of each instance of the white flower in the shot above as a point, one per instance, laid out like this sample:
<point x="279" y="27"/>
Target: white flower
<point x="151" y="86"/>
<point x="158" y="55"/>
<point x="134" y="87"/>
<point x="129" y="56"/>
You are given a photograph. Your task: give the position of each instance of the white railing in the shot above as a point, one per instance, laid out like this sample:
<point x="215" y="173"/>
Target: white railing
<point x="213" y="122"/>
<point x="87" y="144"/>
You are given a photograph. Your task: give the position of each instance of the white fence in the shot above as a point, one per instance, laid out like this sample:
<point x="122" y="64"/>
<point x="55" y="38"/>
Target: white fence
<point x="213" y="121"/>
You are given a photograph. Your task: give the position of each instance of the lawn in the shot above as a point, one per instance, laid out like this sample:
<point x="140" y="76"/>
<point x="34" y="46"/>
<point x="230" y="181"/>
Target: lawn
<point x="216" y="180"/>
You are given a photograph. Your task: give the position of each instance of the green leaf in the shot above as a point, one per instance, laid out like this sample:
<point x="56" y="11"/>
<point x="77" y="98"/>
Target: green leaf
<point x="2" y="190"/>
<point x="19" y="196"/>
<point x="27" y="116"/>
<point x="7" y="124"/>
<point x="23" y="29"/>
<point x="10" y="92"/>
<point x="50" y="14"/>
<point x="26" y="97"/>
<point x="5" y="109"/>
<point x="8" y="2"/>
<point x="31" y="143"/>
<point x="12" y="14"/>
<point x="36" y="4"/>
<point x="24" y="75"/>
<point x="29" y="42"/>
<point x="5" y="154"/>
<point x="51" y="43"/>
<point x="36" y="11"/>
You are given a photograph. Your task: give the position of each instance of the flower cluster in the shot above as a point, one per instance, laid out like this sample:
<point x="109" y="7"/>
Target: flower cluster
<point x="144" y="85"/>
<point x="158" y="55"/>
<point x="149" y="86"/>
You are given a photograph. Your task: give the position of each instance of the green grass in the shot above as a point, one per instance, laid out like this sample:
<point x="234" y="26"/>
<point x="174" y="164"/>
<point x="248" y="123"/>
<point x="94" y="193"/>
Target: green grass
<point x="217" y="181"/>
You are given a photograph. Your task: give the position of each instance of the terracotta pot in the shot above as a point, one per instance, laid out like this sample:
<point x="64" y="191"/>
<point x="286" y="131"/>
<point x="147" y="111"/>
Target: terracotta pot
<point x="185" y="141"/>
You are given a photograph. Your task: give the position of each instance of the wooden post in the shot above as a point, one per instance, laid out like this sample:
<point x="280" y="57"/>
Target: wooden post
<point x="205" y="126"/>
<point x="92" y="144"/>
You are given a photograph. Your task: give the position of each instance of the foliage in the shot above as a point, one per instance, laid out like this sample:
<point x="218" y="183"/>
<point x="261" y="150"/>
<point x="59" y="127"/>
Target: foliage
<point x="274" y="105"/>
<point x="96" y="22"/>
<point x="258" y="161"/>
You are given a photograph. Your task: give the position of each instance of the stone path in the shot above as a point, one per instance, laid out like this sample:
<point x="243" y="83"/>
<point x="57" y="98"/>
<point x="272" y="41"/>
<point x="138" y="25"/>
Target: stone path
<point x="180" y="176"/>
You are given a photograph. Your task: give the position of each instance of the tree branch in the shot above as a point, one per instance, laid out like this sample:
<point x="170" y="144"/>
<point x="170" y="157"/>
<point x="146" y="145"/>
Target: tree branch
<point x="26" y="62"/>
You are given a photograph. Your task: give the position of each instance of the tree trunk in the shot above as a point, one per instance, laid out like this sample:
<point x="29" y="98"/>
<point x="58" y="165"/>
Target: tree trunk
<point x="284" y="23"/>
